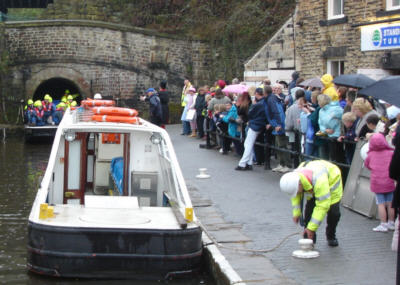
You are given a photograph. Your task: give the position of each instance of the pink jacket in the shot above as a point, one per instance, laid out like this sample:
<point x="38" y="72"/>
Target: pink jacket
<point x="378" y="161"/>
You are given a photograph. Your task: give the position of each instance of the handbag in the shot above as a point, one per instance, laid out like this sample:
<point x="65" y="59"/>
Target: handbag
<point x="190" y="114"/>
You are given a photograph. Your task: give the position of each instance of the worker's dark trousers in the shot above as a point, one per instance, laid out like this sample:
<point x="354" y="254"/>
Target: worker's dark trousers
<point x="333" y="217"/>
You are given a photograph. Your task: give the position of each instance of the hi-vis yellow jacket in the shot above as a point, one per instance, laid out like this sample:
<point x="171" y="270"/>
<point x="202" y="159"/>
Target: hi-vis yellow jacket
<point x="322" y="180"/>
<point x="184" y="91"/>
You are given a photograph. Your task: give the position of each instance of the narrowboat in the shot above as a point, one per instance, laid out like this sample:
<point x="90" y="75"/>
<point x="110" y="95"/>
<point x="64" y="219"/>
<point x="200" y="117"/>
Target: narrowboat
<point x="113" y="202"/>
<point x="33" y="133"/>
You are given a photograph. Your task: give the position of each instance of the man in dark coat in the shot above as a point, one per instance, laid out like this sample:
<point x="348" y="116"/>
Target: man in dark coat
<point x="163" y="94"/>
<point x="200" y="106"/>
<point x="155" y="106"/>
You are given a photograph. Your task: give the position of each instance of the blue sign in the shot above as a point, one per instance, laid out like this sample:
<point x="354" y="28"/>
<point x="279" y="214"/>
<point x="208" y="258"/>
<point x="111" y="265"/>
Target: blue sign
<point x="389" y="37"/>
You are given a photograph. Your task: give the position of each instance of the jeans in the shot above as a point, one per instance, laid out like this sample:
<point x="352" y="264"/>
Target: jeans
<point x="186" y="127"/>
<point x="310" y="149"/>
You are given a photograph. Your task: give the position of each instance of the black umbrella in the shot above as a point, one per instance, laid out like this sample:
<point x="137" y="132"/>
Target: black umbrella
<point x="386" y="89"/>
<point x="353" y="80"/>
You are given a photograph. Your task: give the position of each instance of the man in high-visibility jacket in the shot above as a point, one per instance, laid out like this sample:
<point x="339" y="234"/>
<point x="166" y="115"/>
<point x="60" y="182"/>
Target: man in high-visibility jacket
<point x="320" y="182"/>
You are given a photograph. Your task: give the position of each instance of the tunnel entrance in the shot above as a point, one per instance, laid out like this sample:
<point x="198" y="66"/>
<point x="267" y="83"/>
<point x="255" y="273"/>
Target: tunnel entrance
<point x="56" y="87"/>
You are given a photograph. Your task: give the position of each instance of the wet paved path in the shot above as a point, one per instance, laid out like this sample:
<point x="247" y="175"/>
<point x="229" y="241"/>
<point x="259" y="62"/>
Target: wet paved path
<point x="247" y="210"/>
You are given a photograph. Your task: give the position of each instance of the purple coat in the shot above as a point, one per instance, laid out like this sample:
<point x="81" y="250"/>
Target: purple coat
<point x="378" y="161"/>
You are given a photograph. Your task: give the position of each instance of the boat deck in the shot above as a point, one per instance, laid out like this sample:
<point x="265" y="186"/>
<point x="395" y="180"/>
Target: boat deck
<point x="112" y="213"/>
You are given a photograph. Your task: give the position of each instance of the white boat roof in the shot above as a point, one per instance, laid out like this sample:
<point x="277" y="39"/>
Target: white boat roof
<point x="79" y="119"/>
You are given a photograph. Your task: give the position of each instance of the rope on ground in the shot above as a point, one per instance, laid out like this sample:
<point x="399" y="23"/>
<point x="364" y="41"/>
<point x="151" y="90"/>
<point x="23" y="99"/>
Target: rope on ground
<point x="214" y="241"/>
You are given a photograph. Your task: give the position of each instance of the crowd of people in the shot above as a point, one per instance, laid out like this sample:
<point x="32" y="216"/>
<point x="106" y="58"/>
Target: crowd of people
<point x="46" y="112"/>
<point x="318" y="123"/>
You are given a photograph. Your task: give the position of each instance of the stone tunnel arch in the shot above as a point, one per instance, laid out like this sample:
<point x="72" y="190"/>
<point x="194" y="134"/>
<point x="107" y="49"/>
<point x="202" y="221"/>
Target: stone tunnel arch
<point x="54" y="81"/>
<point x="56" y="87"/>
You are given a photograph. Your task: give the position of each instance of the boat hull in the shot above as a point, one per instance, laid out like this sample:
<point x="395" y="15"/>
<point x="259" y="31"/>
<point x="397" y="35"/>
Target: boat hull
<point x="45" y="132"/>
<point x="113" y="253"/>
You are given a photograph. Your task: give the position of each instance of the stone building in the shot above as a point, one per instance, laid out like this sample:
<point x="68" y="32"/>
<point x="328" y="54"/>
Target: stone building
<point x="332" y="36"/>
<point x="352" y="36"/>
<point x="275" y="60"/>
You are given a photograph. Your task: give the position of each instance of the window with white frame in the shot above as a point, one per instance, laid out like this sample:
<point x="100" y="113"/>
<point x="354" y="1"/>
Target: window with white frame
<point x="335" y="9"/>
<point x="392" y="4"/>
<point x="335" y="67"/>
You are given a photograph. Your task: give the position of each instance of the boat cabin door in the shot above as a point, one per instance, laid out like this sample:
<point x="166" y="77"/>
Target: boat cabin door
<point x="75" y="170"/>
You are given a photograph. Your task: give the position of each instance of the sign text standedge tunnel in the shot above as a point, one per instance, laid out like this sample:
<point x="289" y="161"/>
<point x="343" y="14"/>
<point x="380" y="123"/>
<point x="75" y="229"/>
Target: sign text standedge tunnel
<point x="379" y="37"/>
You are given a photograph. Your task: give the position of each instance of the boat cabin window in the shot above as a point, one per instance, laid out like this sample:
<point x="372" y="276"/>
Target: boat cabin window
<point x="136" y="164"/>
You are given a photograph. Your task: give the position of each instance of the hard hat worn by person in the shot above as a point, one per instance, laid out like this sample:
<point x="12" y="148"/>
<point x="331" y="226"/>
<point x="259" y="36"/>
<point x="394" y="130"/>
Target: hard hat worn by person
<point x="329" y="87"/>
<point x="28" y="104"/>
<point x="320" y="182"/>
<point x="289" y="183"/>
<point x="37" y="103"/>
<point x="61" y="105"/>
<point x="70" y="97"/>
<point x="97" y="96"/>
<point x="47" y="97"/>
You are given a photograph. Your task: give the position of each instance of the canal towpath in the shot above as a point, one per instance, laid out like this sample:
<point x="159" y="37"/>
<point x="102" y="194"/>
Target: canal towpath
<point x="246" y="210"/>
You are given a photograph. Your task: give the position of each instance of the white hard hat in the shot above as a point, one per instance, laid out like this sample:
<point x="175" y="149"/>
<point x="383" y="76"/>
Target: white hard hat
<point x="97" y="96"/>
<point x="290" y="183"/>
<point x="364" y="151"/>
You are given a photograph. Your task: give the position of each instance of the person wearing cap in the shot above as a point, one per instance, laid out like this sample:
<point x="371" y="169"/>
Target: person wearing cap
<point x="70" y="101"/>
<point x="64" y="97"/>
<point x="38" y="113"/>
<point x="155" y="106"/>
<point x="97" y="96"/>
<point x="320" y="182"/>
<point x="59" y="113"/>
<point x="28" y="111"/>
<point x="48" y="109"/>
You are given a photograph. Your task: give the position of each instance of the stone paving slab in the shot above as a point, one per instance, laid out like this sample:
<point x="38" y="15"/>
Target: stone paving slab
<point x="252" y="199"/>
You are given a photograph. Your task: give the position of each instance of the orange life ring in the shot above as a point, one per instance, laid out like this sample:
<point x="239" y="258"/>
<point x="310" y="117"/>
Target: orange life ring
<point x="115" y="119"/>
<point x="97" y="103"/>
<point x="115" y="111"/>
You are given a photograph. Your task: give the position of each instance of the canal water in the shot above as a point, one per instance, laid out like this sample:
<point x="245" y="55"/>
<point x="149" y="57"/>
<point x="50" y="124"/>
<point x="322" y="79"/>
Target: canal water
<point x="21" y="166"/>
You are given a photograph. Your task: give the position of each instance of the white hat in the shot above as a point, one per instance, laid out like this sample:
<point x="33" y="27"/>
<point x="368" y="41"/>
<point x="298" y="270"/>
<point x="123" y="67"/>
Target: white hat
<point x="290" y="183"/>
<point x="97" y="96"/>
<point x="364" y="151"/>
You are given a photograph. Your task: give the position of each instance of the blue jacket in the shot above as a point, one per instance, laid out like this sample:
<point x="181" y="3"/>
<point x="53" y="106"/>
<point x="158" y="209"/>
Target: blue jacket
<point x="275" y="114"/>
<point x="330" y="117"/>
<point x="257" y="116"/>
<point x="232" y="126"/>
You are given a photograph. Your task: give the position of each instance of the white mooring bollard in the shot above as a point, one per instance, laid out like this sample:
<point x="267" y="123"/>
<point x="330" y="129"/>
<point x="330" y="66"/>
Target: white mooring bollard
<point x="202" y="173"/>
<point x="306" y="250"/>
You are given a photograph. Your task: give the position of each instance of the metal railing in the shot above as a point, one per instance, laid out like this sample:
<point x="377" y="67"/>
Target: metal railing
<point x="295" y="152"/>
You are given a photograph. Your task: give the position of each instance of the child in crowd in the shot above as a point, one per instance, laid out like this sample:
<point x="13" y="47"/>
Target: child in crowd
<point x="349" y="120"/>
<point x="378" y="160"/>
<point x="342" y="96"/>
